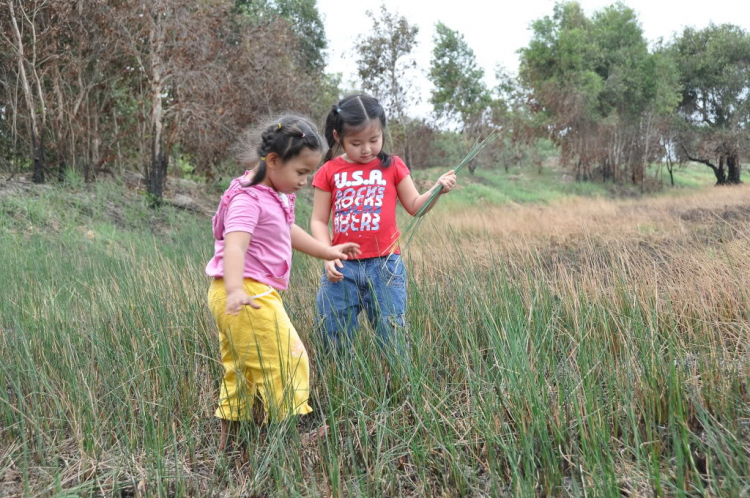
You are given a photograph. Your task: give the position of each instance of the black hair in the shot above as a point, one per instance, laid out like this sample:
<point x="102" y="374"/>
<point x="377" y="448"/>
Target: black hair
<point x="286" y="136"/>
<point x="351" y="114"/>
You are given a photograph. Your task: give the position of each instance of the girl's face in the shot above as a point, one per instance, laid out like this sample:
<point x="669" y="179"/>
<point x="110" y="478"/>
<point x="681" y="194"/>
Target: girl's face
<point x="364" y="145"/>
<point x="290" y="176"/>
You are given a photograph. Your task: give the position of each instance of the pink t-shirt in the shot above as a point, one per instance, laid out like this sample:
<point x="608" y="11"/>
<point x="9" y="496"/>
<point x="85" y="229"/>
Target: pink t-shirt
<point x="268" y="216"/>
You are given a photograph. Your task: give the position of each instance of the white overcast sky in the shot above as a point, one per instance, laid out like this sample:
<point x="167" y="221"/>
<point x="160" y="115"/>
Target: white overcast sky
<point x="495" y="30"/>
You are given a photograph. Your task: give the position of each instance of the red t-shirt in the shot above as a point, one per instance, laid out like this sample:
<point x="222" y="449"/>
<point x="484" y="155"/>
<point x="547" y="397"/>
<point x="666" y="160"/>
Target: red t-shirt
<point x="363" y="202"/>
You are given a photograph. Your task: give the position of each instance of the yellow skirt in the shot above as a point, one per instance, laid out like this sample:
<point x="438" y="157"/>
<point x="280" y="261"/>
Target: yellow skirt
<point x="262" y="354"/>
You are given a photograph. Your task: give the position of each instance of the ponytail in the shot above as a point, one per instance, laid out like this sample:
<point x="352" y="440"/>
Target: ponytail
<point x="333" y="122"/>
<point x="351" y="114"/>
<point x="286" y="136"/>
<point x="260" y="173"/>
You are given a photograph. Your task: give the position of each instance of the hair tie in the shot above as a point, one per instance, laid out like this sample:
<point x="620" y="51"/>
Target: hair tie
<point x="338" y="110"/>
<point x="279" y="125"/>
<point x="263" y="158"/>
<point x="303" y="135"/>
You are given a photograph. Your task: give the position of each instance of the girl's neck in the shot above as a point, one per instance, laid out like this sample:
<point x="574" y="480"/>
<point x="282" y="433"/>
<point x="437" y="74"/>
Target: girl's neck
<point x="266" y="179"/>
<point x="346" y="158"/>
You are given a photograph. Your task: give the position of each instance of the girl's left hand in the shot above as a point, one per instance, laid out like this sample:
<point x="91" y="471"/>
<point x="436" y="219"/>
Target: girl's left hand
<point x="448" y="181"/>
<point x="344" y="251"/>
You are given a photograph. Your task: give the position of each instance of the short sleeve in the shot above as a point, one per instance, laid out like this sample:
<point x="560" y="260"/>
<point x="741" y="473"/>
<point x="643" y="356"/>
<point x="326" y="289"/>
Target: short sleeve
<point x="322" y="178"/>
<point x="401" y="170"/>
<point x="242" y="214"/>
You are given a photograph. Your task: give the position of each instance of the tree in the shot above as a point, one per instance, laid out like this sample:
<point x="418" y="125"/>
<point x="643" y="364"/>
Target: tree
<point x="207" y="75"/>
<point x="601" y="96"/>
<point x="384" y="65"/>
<point x="304" y="18"/>
<point x="460" y="93"/>
<point x="509" y="111"/>
<point x="24" y="44"/>
<point x="714" y="67"/>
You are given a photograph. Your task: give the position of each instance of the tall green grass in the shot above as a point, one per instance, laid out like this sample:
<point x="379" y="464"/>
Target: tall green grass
<point x="109" y="372"/>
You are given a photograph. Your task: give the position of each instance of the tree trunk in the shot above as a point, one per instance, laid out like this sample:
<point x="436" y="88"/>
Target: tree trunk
<point x="645" y="153"/>
<point x="157" y="170"/>
<point x="721" y="175"/>
<point x="734" y="169"/>
<point x="670" y="168"/>
<point x="37" y="143"/>
<point x="61" y="167"/>
<point x="59" y="123"/>
<point x="37" y="135"/>
<point x="95" y="146"/>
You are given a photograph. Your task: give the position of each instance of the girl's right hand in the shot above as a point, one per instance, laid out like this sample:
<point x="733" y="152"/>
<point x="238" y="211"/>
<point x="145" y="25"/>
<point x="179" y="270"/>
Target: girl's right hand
<point x="237" y="299"/>
<point x="332" y="273"/>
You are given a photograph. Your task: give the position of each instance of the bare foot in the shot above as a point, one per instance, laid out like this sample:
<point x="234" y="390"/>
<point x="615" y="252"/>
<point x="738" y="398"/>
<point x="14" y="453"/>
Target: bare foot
<point x="228" y="430"/>
<point x="314" y="435"/>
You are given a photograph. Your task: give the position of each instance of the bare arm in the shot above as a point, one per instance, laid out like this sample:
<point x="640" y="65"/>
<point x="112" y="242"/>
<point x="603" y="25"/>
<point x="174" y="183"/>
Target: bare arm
<point x="235" y="247"/>
<point x="304" y="242"/>
<point x="321" y="214"/>
<point x="412" y="200"/>
<point x="319" y="227"/>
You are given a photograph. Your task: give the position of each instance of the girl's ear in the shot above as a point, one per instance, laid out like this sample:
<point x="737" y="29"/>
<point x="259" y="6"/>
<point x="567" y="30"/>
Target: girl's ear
<point x="273" y="161"/>
<point x="336" y="136"/>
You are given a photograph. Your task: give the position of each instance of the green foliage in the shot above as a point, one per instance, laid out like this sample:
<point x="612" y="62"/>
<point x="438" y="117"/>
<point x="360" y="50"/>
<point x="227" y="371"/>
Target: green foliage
<point x="622" y="55"/>
<point x="603" y="60"/>
<point x="305" y="20"/>
<point x="329" y="90"/>
<point x="460" y="93"/>
<point x="714" y="66"/>
<point x="593" y="84"/>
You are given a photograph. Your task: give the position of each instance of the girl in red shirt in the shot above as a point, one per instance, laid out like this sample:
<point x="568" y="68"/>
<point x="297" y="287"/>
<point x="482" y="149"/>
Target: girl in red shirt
<point x="359" y="188"/>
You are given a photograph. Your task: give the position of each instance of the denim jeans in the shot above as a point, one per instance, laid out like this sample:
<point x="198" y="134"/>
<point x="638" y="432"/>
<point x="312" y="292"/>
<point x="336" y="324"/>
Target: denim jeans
<point x="375" y="285"/>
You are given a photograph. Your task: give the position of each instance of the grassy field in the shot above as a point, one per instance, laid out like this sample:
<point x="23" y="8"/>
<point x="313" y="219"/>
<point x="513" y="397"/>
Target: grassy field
<point x="551" y="184"/>
<point x="560" y="345"/>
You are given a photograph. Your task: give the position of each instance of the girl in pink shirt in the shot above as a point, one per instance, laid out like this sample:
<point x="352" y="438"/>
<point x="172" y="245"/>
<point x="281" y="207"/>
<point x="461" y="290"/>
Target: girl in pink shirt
<point x="255" y="233"/>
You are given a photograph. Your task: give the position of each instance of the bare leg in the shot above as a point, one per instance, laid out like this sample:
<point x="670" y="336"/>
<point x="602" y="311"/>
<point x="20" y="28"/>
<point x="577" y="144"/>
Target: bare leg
<point x="228" y="429"/>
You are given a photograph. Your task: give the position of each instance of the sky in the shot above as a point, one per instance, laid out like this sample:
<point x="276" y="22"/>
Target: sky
<point x="495" y="30"/>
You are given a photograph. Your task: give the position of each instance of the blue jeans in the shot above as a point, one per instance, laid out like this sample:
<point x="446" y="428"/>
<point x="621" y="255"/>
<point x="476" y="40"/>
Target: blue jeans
<point x="375" y="285"/>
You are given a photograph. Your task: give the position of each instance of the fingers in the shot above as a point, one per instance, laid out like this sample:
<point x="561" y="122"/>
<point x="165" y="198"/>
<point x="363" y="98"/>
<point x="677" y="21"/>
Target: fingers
<point x="334" y="276"/>
<point x="234" y="306"/>
<point x="448" y="182"/>
<point x="252" y="304"/>
<point x="332" y="273"/>
<point x="349" y="248"/>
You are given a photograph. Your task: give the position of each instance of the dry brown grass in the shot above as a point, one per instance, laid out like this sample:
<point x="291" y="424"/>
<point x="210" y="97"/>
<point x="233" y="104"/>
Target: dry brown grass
<point x="686" y="255"/>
